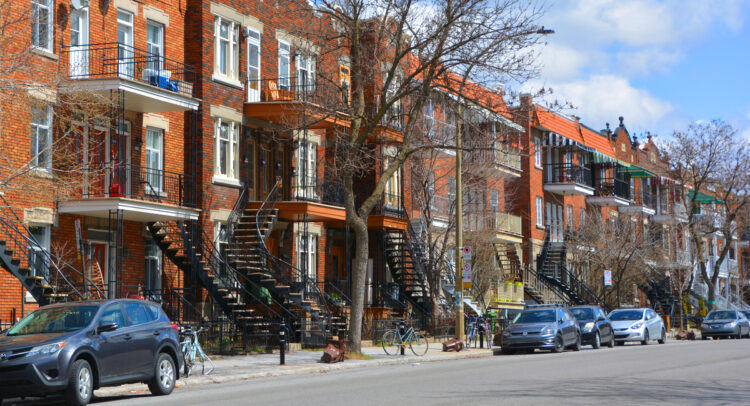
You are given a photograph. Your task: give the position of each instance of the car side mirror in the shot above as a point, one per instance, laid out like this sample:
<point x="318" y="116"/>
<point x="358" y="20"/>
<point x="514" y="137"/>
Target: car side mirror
<point x="601" y="318"/>
<point x="105" y="327"/>
<point x="560" y="321"/>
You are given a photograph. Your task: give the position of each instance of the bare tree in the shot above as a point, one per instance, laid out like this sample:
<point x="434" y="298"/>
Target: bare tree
<point x="711" y="158"/>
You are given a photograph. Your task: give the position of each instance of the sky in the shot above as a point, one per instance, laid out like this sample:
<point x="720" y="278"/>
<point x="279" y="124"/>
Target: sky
<point x="660" y="64"/>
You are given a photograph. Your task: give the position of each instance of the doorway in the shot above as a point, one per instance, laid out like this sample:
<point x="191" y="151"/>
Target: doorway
<point x="79" y="42"/>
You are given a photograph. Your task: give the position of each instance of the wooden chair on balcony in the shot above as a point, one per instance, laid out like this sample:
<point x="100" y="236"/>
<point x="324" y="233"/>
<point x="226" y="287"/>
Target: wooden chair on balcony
<point x="276" y="94"/>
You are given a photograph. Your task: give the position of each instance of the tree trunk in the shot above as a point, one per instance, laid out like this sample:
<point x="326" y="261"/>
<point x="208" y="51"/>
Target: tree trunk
<point x="359" y="272"/>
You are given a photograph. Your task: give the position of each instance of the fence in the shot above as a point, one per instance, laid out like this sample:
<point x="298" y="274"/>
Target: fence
<point x="567" y="173"/>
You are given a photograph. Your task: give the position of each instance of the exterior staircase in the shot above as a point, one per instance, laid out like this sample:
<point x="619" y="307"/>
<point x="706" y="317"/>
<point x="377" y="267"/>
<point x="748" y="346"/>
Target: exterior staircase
<point x="406" y="261"/>
<point x="46" y="277"/>
<point x="659" y="293"/>
<point x="551" y="266"/>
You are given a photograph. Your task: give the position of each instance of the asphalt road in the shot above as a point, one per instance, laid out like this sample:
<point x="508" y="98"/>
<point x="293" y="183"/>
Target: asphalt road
<point x="679" y="373"/>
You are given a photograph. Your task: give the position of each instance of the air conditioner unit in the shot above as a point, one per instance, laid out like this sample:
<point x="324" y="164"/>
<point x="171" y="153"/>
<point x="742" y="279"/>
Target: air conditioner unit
<point x="79" y="4"/>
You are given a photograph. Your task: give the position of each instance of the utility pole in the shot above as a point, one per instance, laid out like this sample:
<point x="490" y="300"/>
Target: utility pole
<point x="459" y="232"/>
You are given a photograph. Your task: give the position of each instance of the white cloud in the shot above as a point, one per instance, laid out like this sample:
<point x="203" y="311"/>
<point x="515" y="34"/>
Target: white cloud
<point x="602" y="98"/>
<point x="562" y="62"/>
<point x="648" y="60"/>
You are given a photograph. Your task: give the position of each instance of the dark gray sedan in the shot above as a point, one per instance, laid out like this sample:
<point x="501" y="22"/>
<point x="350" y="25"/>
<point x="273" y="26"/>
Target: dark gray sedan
<point x="550" y="327"/>
<point x="77" y="347"/>
<point x="725" y="323"/>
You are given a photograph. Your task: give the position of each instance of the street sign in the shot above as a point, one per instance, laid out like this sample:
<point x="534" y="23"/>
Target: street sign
<point x="466" y="252"/>
<point x="607" y="277"/>
<point x="466" y="272"/>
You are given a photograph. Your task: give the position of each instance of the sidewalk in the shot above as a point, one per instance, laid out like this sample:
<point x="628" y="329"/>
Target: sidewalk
<point x="240" y="368"/>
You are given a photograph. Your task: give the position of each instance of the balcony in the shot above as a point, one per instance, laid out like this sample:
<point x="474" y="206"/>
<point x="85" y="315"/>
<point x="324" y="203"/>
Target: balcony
<point x="727" y="268"/>
<point x="568" y="179"/>
<point x="143" y="194"/>
<point x="640" y="203"/>
<point x="151" y="83"/>
<point x="611" y="193"/>
<point x="670" y="213"/>
<point x="507" y="227"/>
<point x="296" y="102"/>
<point x="504" y="162"/>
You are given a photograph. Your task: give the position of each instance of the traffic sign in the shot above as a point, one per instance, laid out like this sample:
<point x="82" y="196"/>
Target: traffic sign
<point x="466" y="272"/>
<point x="607" y="277"/>
<point x="466" y="252"/>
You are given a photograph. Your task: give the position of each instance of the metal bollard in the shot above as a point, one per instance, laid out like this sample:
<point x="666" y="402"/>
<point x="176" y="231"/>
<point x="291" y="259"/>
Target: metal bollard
<point x="402" y="332"/>
<point x="481" y="337"/>
<point x="282" y="343"/>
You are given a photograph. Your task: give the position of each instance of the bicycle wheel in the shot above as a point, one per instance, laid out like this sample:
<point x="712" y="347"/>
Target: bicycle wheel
<point x="419" y="344"/>
<point x="391" y="343"/>
<point x="188" y="367"/>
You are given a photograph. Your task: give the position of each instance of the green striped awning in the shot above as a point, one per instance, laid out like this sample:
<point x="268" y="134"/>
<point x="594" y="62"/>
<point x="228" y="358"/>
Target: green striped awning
<point x="599" y="158"/>
<point x="636" y="171"/>
<point x="703" y="198"/>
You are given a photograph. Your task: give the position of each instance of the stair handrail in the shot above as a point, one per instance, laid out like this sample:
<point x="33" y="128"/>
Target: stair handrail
<point x="340" y="292"/>
<point x="402" y="292"/>
<point x="239" y="206"/>
<point x="418" y="260"/>
<point x="51" y="259"/>
<point x="549" y="286"/>
<point x="281" y="266"/>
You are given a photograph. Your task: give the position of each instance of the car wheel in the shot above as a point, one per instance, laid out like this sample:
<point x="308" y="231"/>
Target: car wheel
<point x="577" y="345"/>
<point x="739" y="333"/>
<point x="507" y="351"/>
<point x="597" y="341"/>
<point x="612" y="341"/>
<point x="704" y="337"/>
<point x="645" y="337"/>
<point x="559" y="347"/>
<point x="164" y="376"/>
<point x="80" y="384"/>
<point x="663" y="338"/>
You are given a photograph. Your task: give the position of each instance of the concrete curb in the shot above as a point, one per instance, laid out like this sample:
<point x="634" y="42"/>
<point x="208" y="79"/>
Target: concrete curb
<point x="286" y="370"/>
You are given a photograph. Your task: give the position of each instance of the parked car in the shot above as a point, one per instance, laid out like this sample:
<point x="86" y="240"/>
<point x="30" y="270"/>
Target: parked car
<point x="74" y="348"/>
<point x="637" y="325"/>
<point x="595" y="327"/>
<point x="542" y="326"/>
<point x="725" y="323"/>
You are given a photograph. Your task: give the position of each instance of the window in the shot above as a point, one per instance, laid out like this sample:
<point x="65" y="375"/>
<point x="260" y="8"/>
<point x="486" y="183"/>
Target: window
<point x="284" y="73"/>
<point x="112" y="314"/>
<point x="307" y="170"/>
<point x="306" y="255"/>
<point x="42" y="16"/>
<point x="305" y="74"/>
<point x="451" y="188"/>
<point x="38" y="263"/>
<point x="125" y="43"/>
<point x="221" y="242"/>
<point x="346" y="83"/>
<point x="41" y="137"/>
<point x="393" y="189"/>
<point x="227" y="49"/>
<point x="155" y="45"/>
<point x="570" y="216"/>
<point x="153" y="268"/>
<point x="227" y="149"/>
<point x="539" y="211"/>
<point x="136" y="313"/>
<point x="583" y="216"/>
<point x="537" y="152"/>
<point x="154" y="160"/>
<point x="253" y="65"/>
<point x="495" y="200"/>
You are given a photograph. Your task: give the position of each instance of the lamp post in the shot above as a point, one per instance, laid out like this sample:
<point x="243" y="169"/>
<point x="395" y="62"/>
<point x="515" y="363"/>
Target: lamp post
<point x="459" y="232"/>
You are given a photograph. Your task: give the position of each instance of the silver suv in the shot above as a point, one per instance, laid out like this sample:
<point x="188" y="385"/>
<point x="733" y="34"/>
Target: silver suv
<point x="550" y="327"/>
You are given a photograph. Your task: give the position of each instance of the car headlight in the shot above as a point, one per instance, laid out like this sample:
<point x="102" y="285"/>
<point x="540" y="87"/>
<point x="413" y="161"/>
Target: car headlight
<point x="588" y="327"/>
<point x="48" y="349"/>
<point x="547" y="331"/>
<point x="636" y="326"/>
<point x="732" y="324"/>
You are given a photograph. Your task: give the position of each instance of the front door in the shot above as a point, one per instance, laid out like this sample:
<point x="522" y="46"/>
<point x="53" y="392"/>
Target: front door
<point x="125" y="53"/>
<point x="97" y="159"/>
<point x="253" y="66"/>
<point x="79" y="42"/>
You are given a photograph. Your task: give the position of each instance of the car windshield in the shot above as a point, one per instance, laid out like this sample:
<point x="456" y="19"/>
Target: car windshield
<point x="536" y="316"/>
<point x="63" y="319"/>
<point x="582" y="313"/>
<point x="746" y="313"/>
<point x="721" y="314"/>
<point x="620" y="315"/>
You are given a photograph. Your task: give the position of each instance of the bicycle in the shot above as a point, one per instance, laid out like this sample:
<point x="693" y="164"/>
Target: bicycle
<point x="395" y="340"/>
<point x="471" y="334"/>
<point x="191" y="349"/>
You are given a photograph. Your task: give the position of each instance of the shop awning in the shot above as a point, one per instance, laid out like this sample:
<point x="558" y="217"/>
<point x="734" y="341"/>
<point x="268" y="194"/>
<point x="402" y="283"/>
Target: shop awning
<point x="636" y="171"/>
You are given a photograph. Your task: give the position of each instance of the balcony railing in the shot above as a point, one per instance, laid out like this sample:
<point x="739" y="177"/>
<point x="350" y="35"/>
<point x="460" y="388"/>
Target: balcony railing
<point x="667" y="208"/>
<point x="507" y="157"/>
<point x="644" y="199"/>
<point x="136" y="182"/>
<point x="609" y="187"/>
<point x="567" y="173"/>
<point x="319" y="189"/>
<point x="506" y="223"/>
<point x="113" y="60"/>
<point x="440" y="207"/>
<point x="300" y="88"/>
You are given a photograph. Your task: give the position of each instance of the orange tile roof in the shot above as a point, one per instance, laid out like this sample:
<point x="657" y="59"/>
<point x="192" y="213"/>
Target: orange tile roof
<point x="572" y="130"/>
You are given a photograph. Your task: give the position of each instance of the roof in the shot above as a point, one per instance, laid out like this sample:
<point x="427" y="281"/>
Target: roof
<point x="574" y="131"/>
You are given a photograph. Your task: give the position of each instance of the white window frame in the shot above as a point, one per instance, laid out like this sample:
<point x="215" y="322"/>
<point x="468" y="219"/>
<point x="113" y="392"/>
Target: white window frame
<point x="253" y="78"/>
<point x="393" y="189"/>
<point x="232" y="170"/>
<point x="495" y="200"/>
<point x="155" y="49"/>
<point x="307" y="255"/>
<point x="232" y="63"/>
<point x="307" y="169"/>
<point x="537" y="152"/>
<point x="44" y="243"/>
<point x="304" y="65"/>
<point x="154" y="258"/>
<point x="159" y="152"/>
<point x="569" y="213"/>
<point x="36" y="23"/>
<point x="539" y="211"/>
<point x="125" y="52"/>
<point x="36" y="128"/>
<point x="285" y="60"/>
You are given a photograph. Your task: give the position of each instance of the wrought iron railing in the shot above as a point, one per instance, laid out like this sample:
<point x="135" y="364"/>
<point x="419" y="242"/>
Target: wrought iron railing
<point x="567" y="173"/>
<point x="300" y="88"/>
<point x="319" y="189"/>
<point x="609" y="187"/>
<point x="137" y="182"/>
<point x="113" y="60"/>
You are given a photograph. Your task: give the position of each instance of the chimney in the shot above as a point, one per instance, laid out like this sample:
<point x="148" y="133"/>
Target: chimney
<point x="526" y="100"/>
<point x="621" y="119"/>
<point x="648" y="135"/>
